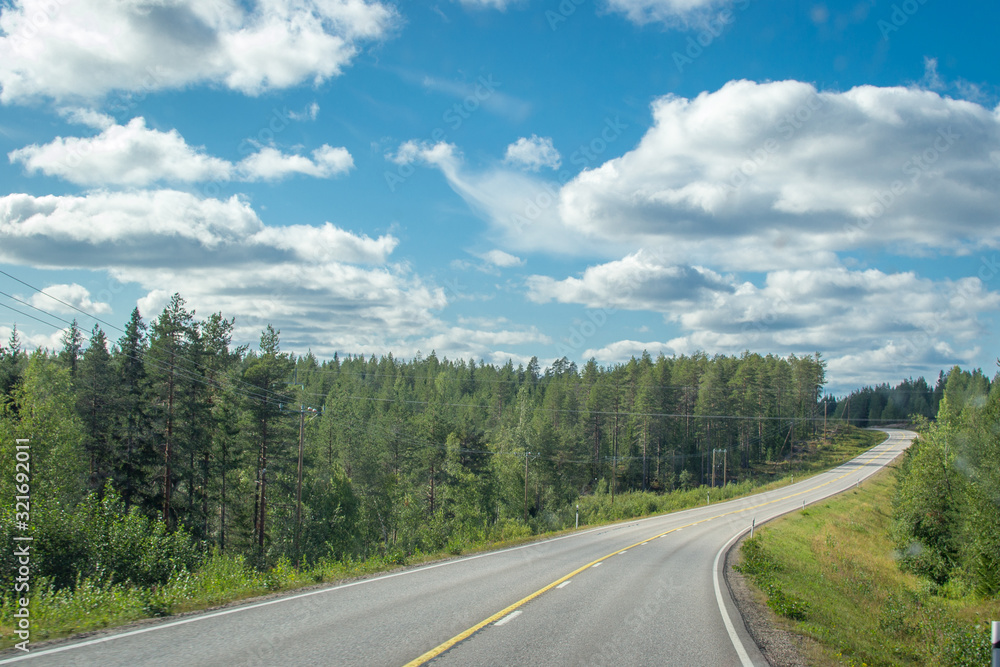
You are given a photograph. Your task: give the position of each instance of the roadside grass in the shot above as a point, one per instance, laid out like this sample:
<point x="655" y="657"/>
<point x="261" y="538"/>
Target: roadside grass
<point x="830" y="573"/>
<point x="227" y="578"/>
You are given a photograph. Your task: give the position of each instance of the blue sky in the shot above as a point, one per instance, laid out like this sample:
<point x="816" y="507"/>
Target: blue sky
<point x="493" y="179"/>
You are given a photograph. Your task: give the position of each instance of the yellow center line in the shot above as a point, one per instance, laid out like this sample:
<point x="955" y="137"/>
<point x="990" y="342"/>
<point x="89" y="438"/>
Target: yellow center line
<point x="441" y="648"/>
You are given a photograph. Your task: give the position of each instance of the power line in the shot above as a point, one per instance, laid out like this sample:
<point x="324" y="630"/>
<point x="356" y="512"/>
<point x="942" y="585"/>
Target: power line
<point x="29" y="316"/>
<point x="152" y="361"/>
<point x="254" y="392"/>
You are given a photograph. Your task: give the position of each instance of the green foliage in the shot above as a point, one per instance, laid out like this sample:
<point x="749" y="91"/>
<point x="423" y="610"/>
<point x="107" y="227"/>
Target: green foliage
<point x="863" y="609"/>
<point x="188" y="447"/>
<point x="946" y="510"/>
<point x="762" y="568"/>
<point x="101" y="540"/>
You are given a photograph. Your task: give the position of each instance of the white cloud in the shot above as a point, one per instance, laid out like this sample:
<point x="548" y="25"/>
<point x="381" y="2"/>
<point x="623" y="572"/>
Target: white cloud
<point x="780" y="165"/>
<point x="77" y="296"/>
<point x="87" y="117"/>
<point x="870" y="325"/>
<point x="533" y="153"/>
<point x="130" y="154"/>
<point x="272" y="164"/>
<point x="497" y="257"/>
<point x="762" y="177"/>
<point x="932" y="80"/>
<point x="489" y="4"/>
<point x="326" y="288"/>
<point x="310" y="113"/>
<point x="623" y="350"/>
<point x="150" y="228"/>
<point x="637" y="282"/>
<point x="679" y="13"/>
<point x="135" y="155"/>
<point x="89" y="48"/>
<point x="521" y="207"/>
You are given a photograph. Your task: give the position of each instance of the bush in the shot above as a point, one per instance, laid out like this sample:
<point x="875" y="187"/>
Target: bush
<point x="100" y="540"/>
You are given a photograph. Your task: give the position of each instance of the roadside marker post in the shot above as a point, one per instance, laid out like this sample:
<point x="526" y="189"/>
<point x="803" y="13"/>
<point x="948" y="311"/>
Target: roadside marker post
<point x="995" y="640"/>
<point x="577" y="516"/>
<point x="753" y="523"/>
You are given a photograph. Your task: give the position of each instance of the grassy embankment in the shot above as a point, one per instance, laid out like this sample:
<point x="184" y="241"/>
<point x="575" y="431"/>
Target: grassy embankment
<point x="227" y="578"/>
<point x="830" y="575"/>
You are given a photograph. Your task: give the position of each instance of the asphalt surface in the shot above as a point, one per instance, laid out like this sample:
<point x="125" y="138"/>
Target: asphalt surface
<point x="645" y="592"/>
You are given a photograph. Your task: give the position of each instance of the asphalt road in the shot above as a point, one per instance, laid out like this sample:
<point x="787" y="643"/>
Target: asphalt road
<point x="645" y="592"/>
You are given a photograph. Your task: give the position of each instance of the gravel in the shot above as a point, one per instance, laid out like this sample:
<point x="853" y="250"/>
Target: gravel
<point x="780" y="647"/>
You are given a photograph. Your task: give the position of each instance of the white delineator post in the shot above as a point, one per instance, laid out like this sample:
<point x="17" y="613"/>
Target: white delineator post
<point x="995" y="641"/>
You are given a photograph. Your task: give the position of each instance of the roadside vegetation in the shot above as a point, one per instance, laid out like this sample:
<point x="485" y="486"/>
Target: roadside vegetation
<point x="105" y="566"/>
<point x="905" y="570"/>
<point x="165" y="466"/>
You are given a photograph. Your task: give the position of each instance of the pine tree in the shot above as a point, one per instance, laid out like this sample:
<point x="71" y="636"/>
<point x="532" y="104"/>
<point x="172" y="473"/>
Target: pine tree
<point x="170" y="373"/>
<point x="72" y="340"/>
<point x="96" y="394"/>
<point x="133" y="454"/>
<point x="265" y="377"/>
<point x="12" y="364"/>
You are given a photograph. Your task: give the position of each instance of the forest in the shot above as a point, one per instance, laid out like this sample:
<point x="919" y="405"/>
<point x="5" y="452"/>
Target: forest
<point x="946" y="510"/>
<point x="258" y="452"/>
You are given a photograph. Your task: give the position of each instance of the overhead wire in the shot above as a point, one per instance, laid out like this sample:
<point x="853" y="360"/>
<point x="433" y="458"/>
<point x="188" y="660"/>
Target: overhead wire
<point x="250" y="391"/>
<point x="253" y="391"/>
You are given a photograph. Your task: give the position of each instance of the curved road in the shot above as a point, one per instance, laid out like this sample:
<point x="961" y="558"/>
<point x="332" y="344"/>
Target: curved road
<point x="644" y="592"/>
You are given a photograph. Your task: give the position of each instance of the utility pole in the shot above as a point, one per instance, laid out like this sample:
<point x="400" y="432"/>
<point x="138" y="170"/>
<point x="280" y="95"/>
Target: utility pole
<point x="725" y="462"/>
<point x="526" y="486"/>
<point x="713" y="467"/>
<point x="298" y="490"/>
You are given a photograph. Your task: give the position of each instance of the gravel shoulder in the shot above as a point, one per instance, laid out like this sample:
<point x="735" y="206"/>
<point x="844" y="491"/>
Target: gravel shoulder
<point x="781" y="648"/>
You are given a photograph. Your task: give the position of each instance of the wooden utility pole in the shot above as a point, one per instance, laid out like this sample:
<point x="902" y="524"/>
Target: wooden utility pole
<point x="825" y="406"/>
<point x="298" y="490"/>
<point x="713" y="468"/>
<point x="526" y="486"/>
<point x="168" y="449"/>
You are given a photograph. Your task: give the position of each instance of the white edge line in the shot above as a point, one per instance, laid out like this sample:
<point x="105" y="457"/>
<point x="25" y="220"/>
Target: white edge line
<point x="730" y="628"/>
<point x="242" y="608"/>
<point x="256" y="605"/>
<point x="565" y="583"/>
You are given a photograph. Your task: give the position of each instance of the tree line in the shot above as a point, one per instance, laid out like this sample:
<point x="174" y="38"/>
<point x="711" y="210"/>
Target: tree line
<point x="946" y="511"/>
<point x="173" y="423"/>
<point x="884" y="404"/>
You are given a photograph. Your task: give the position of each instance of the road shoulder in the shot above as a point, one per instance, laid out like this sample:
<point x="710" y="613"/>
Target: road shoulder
<point x="780" y="647"/>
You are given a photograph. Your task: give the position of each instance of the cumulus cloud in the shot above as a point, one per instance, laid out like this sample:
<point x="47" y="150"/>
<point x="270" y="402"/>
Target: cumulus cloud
<point x="271" y="164"/>
<point x="148" y="228"/>
<point x="122" y="155"/>
<point x="782" y="164"/>
<point x="77" y="296"/>
<point x="135" y="155"/>
<point x="504" y="260"/>
<point x="869" y="324"/>
<point x="87" y="117"/>
<point x="637" y="282"/>
<point x="329" y="289"/>
<point x="533" y="154"/>
<point x="762" y="177"/>
<point x="89" y="48"/>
